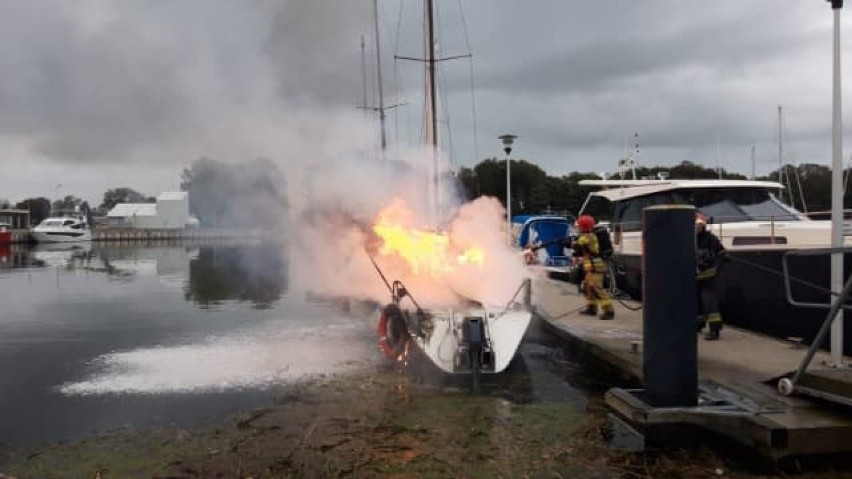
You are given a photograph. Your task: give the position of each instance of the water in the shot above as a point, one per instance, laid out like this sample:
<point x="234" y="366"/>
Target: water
<point x="99" y="337"/>
<point x="94" y="338"/>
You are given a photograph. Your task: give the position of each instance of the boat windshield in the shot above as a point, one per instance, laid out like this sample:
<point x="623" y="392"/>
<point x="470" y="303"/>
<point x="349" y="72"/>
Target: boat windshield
<point x="722" y="205"/>
<point x="730" y="205"/>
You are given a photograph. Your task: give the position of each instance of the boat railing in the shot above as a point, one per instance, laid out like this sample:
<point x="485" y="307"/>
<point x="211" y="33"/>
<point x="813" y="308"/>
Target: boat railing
<point x="720" y="225"/>
<point x="838" y="301"/>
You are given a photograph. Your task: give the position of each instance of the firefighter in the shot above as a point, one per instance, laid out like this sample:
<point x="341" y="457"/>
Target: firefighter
<point x="587" y="248"/>
<point x="708" y="255"/>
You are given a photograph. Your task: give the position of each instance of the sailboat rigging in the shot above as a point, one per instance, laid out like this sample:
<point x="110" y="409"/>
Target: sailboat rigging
<point x="473" y="339"/>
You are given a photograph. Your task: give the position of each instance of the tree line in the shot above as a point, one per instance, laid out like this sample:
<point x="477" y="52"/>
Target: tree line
<point x="534" y="191"/>
<point x="41" y="207"/>
<point x="253" y="194"/>
<point x="221" y="194"/>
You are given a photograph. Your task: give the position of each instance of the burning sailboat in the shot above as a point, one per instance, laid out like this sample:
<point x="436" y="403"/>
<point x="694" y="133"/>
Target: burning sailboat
<point x="467" y="336"/>
<point x="465" y="331"/>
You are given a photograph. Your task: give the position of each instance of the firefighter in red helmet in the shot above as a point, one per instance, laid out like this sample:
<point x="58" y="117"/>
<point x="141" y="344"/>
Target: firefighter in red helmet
<point x="587" y="247"/>
<point x="709" y="253"/>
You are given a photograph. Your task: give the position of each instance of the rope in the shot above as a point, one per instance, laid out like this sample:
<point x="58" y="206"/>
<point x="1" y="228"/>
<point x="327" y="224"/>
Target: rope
<point x="472" y="89"/>
<point x="559" y="316"/>
<point x="514" y="296"/>
<point x="396" y="73"/>
<point x="382" y="275"/>
<point x="776" y="272"/>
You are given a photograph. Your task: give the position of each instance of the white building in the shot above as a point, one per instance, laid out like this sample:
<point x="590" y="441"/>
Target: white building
<point x="171" y="211"/>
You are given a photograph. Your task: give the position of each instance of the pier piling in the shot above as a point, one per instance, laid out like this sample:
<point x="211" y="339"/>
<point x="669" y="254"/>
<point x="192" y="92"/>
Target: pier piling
<point x="670" y="359"/>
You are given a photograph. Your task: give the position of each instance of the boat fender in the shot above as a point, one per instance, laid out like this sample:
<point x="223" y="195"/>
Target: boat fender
<point x="392" y="332"/>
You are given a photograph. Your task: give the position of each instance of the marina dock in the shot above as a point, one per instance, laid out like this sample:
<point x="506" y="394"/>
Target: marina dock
<point x="743" y="368"/>
<point x="21" y="236"/>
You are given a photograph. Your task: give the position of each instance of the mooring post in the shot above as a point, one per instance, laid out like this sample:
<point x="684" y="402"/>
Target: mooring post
<point x="670" y="306"/>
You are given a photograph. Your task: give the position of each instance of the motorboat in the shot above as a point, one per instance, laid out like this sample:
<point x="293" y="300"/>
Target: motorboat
<point x="64" y="228"/>
<point x="759" y="232"/>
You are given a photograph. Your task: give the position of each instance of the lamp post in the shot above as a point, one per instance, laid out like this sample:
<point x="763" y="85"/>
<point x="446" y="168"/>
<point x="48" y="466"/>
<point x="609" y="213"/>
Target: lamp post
<point x="836" y="190"/>
<point x="507" y="140"/>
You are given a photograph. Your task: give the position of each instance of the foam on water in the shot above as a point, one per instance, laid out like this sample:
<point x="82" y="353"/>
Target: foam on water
<point x="255" y="359"/>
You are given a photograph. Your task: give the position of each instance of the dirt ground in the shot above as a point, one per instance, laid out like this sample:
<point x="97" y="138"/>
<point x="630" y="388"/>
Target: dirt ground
<point x="377" y="424"/>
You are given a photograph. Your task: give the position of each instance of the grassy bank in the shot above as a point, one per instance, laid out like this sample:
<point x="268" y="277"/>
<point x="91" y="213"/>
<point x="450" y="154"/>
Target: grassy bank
<point x="373" y="425"/>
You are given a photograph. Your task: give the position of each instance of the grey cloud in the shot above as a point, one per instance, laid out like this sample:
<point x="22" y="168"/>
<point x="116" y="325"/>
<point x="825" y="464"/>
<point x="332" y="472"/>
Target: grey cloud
<point x="637" y="41"/>
<point x="85" y="94"/>
<point x="314" y="46"/>
<point x="99" y="81"/>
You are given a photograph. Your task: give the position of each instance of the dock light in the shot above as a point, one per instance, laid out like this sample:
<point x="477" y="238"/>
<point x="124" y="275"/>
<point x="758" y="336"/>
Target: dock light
<point x="507" y="140"/>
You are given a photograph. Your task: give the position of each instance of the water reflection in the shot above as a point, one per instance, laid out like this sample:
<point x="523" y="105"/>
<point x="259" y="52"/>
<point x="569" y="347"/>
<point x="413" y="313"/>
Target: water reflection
<point x="253" y="273"/>
<point x="208" y="274"/>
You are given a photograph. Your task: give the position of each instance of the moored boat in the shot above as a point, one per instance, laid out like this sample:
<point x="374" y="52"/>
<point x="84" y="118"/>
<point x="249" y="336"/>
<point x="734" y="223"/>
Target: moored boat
<point x="757" y="230"/>
<point x="64" y="228"/>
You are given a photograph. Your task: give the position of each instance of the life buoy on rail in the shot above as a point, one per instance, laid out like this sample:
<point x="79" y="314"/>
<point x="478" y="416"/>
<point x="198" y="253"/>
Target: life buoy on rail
<point x="392" y="332"/>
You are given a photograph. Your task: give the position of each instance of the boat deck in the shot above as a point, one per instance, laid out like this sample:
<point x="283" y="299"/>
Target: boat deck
<point x="743" y="363"/>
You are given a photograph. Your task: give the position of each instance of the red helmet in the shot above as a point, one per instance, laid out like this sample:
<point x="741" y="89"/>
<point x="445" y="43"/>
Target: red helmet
<point x="585" y="224"/>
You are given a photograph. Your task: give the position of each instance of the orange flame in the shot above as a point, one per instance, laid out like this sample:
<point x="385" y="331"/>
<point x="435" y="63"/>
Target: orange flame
<point x="424" y="251"/>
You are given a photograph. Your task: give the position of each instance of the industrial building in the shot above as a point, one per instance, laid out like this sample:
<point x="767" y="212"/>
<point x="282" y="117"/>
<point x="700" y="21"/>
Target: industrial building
<point x="171" y="211"/>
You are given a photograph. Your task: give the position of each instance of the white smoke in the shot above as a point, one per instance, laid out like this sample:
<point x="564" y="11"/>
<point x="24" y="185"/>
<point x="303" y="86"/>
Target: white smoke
<point x="333" y="234"/>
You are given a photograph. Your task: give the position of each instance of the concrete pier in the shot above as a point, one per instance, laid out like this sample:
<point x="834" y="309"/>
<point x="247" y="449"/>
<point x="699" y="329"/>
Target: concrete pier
<point x="742" y="366"/>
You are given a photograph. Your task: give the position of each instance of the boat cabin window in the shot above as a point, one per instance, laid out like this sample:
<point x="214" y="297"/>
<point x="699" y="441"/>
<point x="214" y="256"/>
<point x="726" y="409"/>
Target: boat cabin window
<point x="67" y="222"/>
<point x="78" y="226"/>
<point x="732" y="205"/>
<point x="628" y="213"/>
<point x="723" y="205"/>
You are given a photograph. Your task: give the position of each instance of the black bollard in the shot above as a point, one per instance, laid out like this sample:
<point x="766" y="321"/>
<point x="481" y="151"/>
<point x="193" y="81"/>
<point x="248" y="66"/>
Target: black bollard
<point x="670" y="356"/>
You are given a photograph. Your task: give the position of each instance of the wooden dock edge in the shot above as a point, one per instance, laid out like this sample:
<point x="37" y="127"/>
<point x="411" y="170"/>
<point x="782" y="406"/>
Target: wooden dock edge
<point x="771" y="439"/>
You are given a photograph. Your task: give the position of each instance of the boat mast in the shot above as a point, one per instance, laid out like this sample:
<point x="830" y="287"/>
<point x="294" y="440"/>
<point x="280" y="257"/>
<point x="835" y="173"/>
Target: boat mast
<point x="431" y="104"/>
<point x="752" y="162"/>
<point x="379" y="79"/>
<point x="364" y="75"/>
<point x="780" y="156"/>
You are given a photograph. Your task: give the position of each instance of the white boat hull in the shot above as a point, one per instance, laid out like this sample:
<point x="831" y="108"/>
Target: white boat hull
<point x="504" y="330"/>
<point x="60" y="236"/>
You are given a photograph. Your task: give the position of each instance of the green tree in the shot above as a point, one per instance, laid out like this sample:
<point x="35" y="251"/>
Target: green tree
<point x="123" y="194"/>
<point x="67" y="204"/>
<point x="39" y="208"/>
<point x="488" y="178"/>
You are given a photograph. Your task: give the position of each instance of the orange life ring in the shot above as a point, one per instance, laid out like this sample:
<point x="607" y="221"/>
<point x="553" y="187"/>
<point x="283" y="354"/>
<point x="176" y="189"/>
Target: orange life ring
<point x="392" y="346"/>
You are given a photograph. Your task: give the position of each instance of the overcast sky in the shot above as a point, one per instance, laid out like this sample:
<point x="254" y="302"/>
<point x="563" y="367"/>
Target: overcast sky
<point x="96" y="94"/>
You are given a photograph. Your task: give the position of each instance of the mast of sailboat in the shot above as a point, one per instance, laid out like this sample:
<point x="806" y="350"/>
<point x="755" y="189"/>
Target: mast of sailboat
<point x="379" y="78"/>
<point x="780" y="155"/>
<point x="364" y="74"/>
<point x="752" y="162"/>
<point x="431" y="106"/>
<point x="431" y="103"/>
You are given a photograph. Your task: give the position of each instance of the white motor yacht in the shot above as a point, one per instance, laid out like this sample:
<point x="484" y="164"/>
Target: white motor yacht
<point x="60" y="229"/>
<point x="757" y="230"/>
